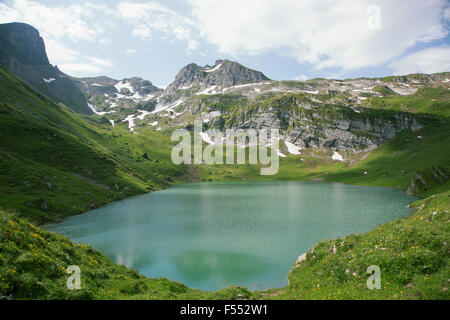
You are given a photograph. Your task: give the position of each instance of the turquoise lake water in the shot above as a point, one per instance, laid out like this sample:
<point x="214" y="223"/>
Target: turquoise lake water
<point x="213" y="235"/>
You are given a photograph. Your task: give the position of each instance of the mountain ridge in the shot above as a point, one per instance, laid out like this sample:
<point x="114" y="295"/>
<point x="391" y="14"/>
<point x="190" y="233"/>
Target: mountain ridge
<point x="325" y="113"/>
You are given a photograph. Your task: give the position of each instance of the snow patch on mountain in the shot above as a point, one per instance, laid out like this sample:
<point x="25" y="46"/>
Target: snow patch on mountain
<point x="130" y="120"/>
<point x="337" y="157"/>
<point x="210" y="90"/>
<point x="143" y="114"/>
<point x="206" y="138"/>
<point x="123" y="85"/>
<point x="292" y="148"/>
<point x="214" y="69"/>
<point x="280" y="154"/>
<point x="170" y="107"/>
<point x="99" y="113"/>
<point x="132" y="117"/>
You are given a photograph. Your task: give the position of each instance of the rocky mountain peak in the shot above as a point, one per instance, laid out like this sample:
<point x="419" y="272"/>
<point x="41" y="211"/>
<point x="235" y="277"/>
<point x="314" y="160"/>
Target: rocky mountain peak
<point x="223" y="74"/>
<point x="141" y="85"/>
<point x="21" y="43"/>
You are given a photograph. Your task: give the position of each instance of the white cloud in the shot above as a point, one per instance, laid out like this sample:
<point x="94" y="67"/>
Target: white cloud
<point x="79" y="69"/>
<point x="130" y="52"/>
<point x="323" y="33"/>
<point x="142" y="32"/>
<point x="73" y="62"/>
<point x="435" y="32"/>
<point x="331" y="35"/>
<point x="59" y="53"/>
<point x="100" y="62"/>
<point x="56" y="21"/>
<point x="105" y="41"/>
<point x="149" y="19"/>
<point x="447" y="14"/>
<point x="302" y="77"/>
<point x="429" y="60"/>
<point x="8" y="14"/>
<point x="59" y="23"/>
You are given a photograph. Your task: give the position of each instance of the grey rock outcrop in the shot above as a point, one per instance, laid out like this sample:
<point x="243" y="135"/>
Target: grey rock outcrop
<point x="21" y="43"/>
<point x="417" y="183"/>
<point x="339" y="131"/>
<point x="143" y="87"/>
<point x="439" y="174"/>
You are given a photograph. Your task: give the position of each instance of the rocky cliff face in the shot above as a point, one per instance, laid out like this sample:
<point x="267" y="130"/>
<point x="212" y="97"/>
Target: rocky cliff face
<point x="21" y="43"/>
<point x="142" y="86"/>
<point x="22" y="52"/>
<point x="303" y="121"/>
<point x="343" y="129"/>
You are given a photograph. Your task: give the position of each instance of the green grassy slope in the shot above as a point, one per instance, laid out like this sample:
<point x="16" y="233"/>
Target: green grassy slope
<point x="54" y="163"/>
<point x="429" y="100"/>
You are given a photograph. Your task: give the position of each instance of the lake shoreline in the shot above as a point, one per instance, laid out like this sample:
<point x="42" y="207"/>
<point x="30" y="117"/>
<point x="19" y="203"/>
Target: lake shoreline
<point x="339" y="189"/>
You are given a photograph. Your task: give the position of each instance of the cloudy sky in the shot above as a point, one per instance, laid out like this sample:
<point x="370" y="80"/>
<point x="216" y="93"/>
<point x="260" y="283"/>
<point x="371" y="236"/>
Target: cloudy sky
<point x="285" y="39"/>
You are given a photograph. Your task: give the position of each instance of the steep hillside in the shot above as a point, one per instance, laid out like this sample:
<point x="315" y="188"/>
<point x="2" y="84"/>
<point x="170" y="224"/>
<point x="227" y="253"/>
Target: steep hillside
<point x="22" y="51"/>
<point x="56" y="163"/>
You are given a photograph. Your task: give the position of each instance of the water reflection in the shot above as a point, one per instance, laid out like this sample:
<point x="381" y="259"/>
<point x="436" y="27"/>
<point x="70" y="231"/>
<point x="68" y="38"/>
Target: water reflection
<point x="225" y="267"/>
